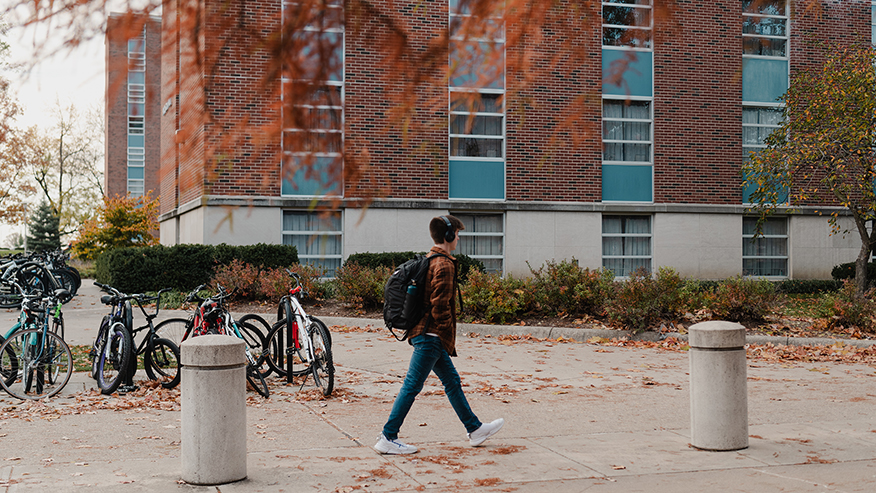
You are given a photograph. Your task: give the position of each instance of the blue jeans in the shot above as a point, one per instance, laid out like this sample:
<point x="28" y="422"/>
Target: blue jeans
<point x="429" y="355"/>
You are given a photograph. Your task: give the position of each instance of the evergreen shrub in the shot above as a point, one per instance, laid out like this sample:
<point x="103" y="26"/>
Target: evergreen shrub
<point x="392" y="260"/>
<point x="182" y="267"/>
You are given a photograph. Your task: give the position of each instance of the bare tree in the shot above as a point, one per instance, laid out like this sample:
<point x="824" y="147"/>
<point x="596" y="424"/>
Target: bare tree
<point x="64" y="161"/>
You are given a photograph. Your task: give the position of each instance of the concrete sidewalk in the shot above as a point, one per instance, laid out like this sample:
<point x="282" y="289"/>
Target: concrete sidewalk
<point x="578" y="417"/>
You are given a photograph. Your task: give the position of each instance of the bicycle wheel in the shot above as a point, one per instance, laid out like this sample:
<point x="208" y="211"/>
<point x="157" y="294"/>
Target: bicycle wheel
<point x="94" y="353"/>
<point x="44" y="361"/>
<point x="322" y="365"/>
<point x="161" y="362"/>
<point x="175" y="330"/>
<point x="66" y="280"/>
<point x="328" y="333"/>
<point x="115" y="355"/>
<point x="10" y="296"/>
<point x="257" y="381"/>
<point x="276" y="353"/>
<point x="255" y="341"/>
<point x="8" y="364"/>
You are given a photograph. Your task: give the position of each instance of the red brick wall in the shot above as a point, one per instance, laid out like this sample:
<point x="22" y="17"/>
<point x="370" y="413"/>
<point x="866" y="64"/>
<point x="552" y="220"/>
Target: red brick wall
<point x="116" y="136"/>
<point x="698" y="104"/>
<point x="396" y="165"/>
<point x="842" y="22"/>
<point x="554" y="129"/>
<point x="170" y="117"/>
<point x="119" y="30"/>
<point x="553" y="114"/>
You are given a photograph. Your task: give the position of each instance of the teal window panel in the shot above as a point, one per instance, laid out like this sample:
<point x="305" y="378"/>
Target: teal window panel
<point x="638" y="77"/>
<point x="624" y="183"/>
<point x="477" y="65"/>
<point x="749" y="188"/>
<point x="136" y="140"/>
<point x="135" y="172"/>
<point x="316" y="182"/>
<point x="764" y="80"/>
<point x="477" y="179"/>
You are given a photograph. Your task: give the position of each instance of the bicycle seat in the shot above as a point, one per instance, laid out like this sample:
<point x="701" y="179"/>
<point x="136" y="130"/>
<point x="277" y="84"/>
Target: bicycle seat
<point x="106" y="299"/>
<point x="62" y="293"/>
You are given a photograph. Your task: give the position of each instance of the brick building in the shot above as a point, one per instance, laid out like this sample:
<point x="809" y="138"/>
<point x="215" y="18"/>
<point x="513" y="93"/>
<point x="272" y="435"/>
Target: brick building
<point x="644" y="172"/>
<point x="133" y="90"/>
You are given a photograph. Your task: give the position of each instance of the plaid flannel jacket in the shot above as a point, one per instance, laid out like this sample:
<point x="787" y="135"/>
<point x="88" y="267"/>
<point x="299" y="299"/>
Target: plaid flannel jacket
<point x="440" y="304"/>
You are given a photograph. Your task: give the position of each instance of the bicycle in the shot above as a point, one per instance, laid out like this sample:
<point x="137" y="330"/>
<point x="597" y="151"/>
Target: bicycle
<point x="23" y="275"/>
<point x="211" y="316"/>
<point x="308" y="342"/>
<point x="35" y="362"/>
<point x="114" y="353"/>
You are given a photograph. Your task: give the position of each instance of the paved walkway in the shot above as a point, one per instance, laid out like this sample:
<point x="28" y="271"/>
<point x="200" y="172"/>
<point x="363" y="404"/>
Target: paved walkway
<point x="578" y="418"/>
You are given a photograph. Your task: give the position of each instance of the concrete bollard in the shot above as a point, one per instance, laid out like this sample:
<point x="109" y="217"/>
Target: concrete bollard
<point x="213" y="438"/>
<point x="718" y="386"/>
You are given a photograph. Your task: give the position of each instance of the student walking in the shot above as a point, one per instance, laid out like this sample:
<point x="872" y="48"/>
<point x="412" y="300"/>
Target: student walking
<point x="434" y="342"/>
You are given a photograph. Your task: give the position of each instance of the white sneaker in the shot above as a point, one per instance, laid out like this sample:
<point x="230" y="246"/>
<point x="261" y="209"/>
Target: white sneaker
<point x="393" y="447"/>
<point x="478" y="436"/>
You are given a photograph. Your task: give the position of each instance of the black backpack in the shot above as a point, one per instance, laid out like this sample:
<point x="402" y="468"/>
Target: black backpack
<point x="403" y="305"/>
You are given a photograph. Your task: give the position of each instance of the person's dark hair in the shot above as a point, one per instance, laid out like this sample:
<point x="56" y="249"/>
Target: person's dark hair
<point x="438" y="228"/>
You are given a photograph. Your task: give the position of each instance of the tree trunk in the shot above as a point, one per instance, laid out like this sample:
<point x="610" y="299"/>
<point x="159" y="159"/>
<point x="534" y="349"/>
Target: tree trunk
<point x="861" y="271"/>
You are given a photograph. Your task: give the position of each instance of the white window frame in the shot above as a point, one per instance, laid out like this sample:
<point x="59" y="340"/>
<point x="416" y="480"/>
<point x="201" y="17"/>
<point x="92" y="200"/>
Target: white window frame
<point x="335" y="155"/>
<point x="649" y="121"/>
<point x="456" y="18"/>
<point x="136" y="156"/>
<point x="649" y="43"/>
<point x="466" y="233"/>
<point x="786" y="38"/>
<point x="304" y="258"/>
<point x="786" y="257"/>
<point x="649" y="235"/>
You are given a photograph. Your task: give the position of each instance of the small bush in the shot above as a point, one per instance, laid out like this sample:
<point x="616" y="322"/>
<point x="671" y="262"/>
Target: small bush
<point x="564" y="287"/>
<point x="495" y="299"/>
<point x="844" y="308"/>
<point x="361" y="286"/>
<point x="741" y="299"/>
<point x="276" y="283"/>
<point x="239" y="277"/>
<point x="643" y="301"/>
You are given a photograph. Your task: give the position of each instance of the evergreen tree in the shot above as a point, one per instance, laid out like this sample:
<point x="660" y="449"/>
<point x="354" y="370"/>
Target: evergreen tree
<point x="44" y="230"/>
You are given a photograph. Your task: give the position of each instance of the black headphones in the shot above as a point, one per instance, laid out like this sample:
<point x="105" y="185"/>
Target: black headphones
<point x="449" y="235"/>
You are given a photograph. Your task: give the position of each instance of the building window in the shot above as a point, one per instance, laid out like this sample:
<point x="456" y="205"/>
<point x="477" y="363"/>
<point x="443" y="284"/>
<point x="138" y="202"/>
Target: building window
<point x="483" y="239"/>
<point x="318" y="237"/>
<point x="765" y="28"/>
<point x="626" y="244"/>
<point x="627" y="23"/>
<point x="873" y="22"/>
<point x="765" y="255"/>
<point x="627" y="101"/>
<point x="477" y="107"/>
<point x="313" y="109"/>
<point x="136" y="86"/>
<point x="626" y="131"/>
<point x="765" y="75"/>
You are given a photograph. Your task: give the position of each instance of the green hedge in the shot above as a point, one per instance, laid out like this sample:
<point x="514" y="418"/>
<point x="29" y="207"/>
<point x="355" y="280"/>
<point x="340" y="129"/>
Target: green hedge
<point x="808" y="286"/>
<point x="393" y="259"/>
<point x="182" y="267"/>
<point x="847" y="271"/>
